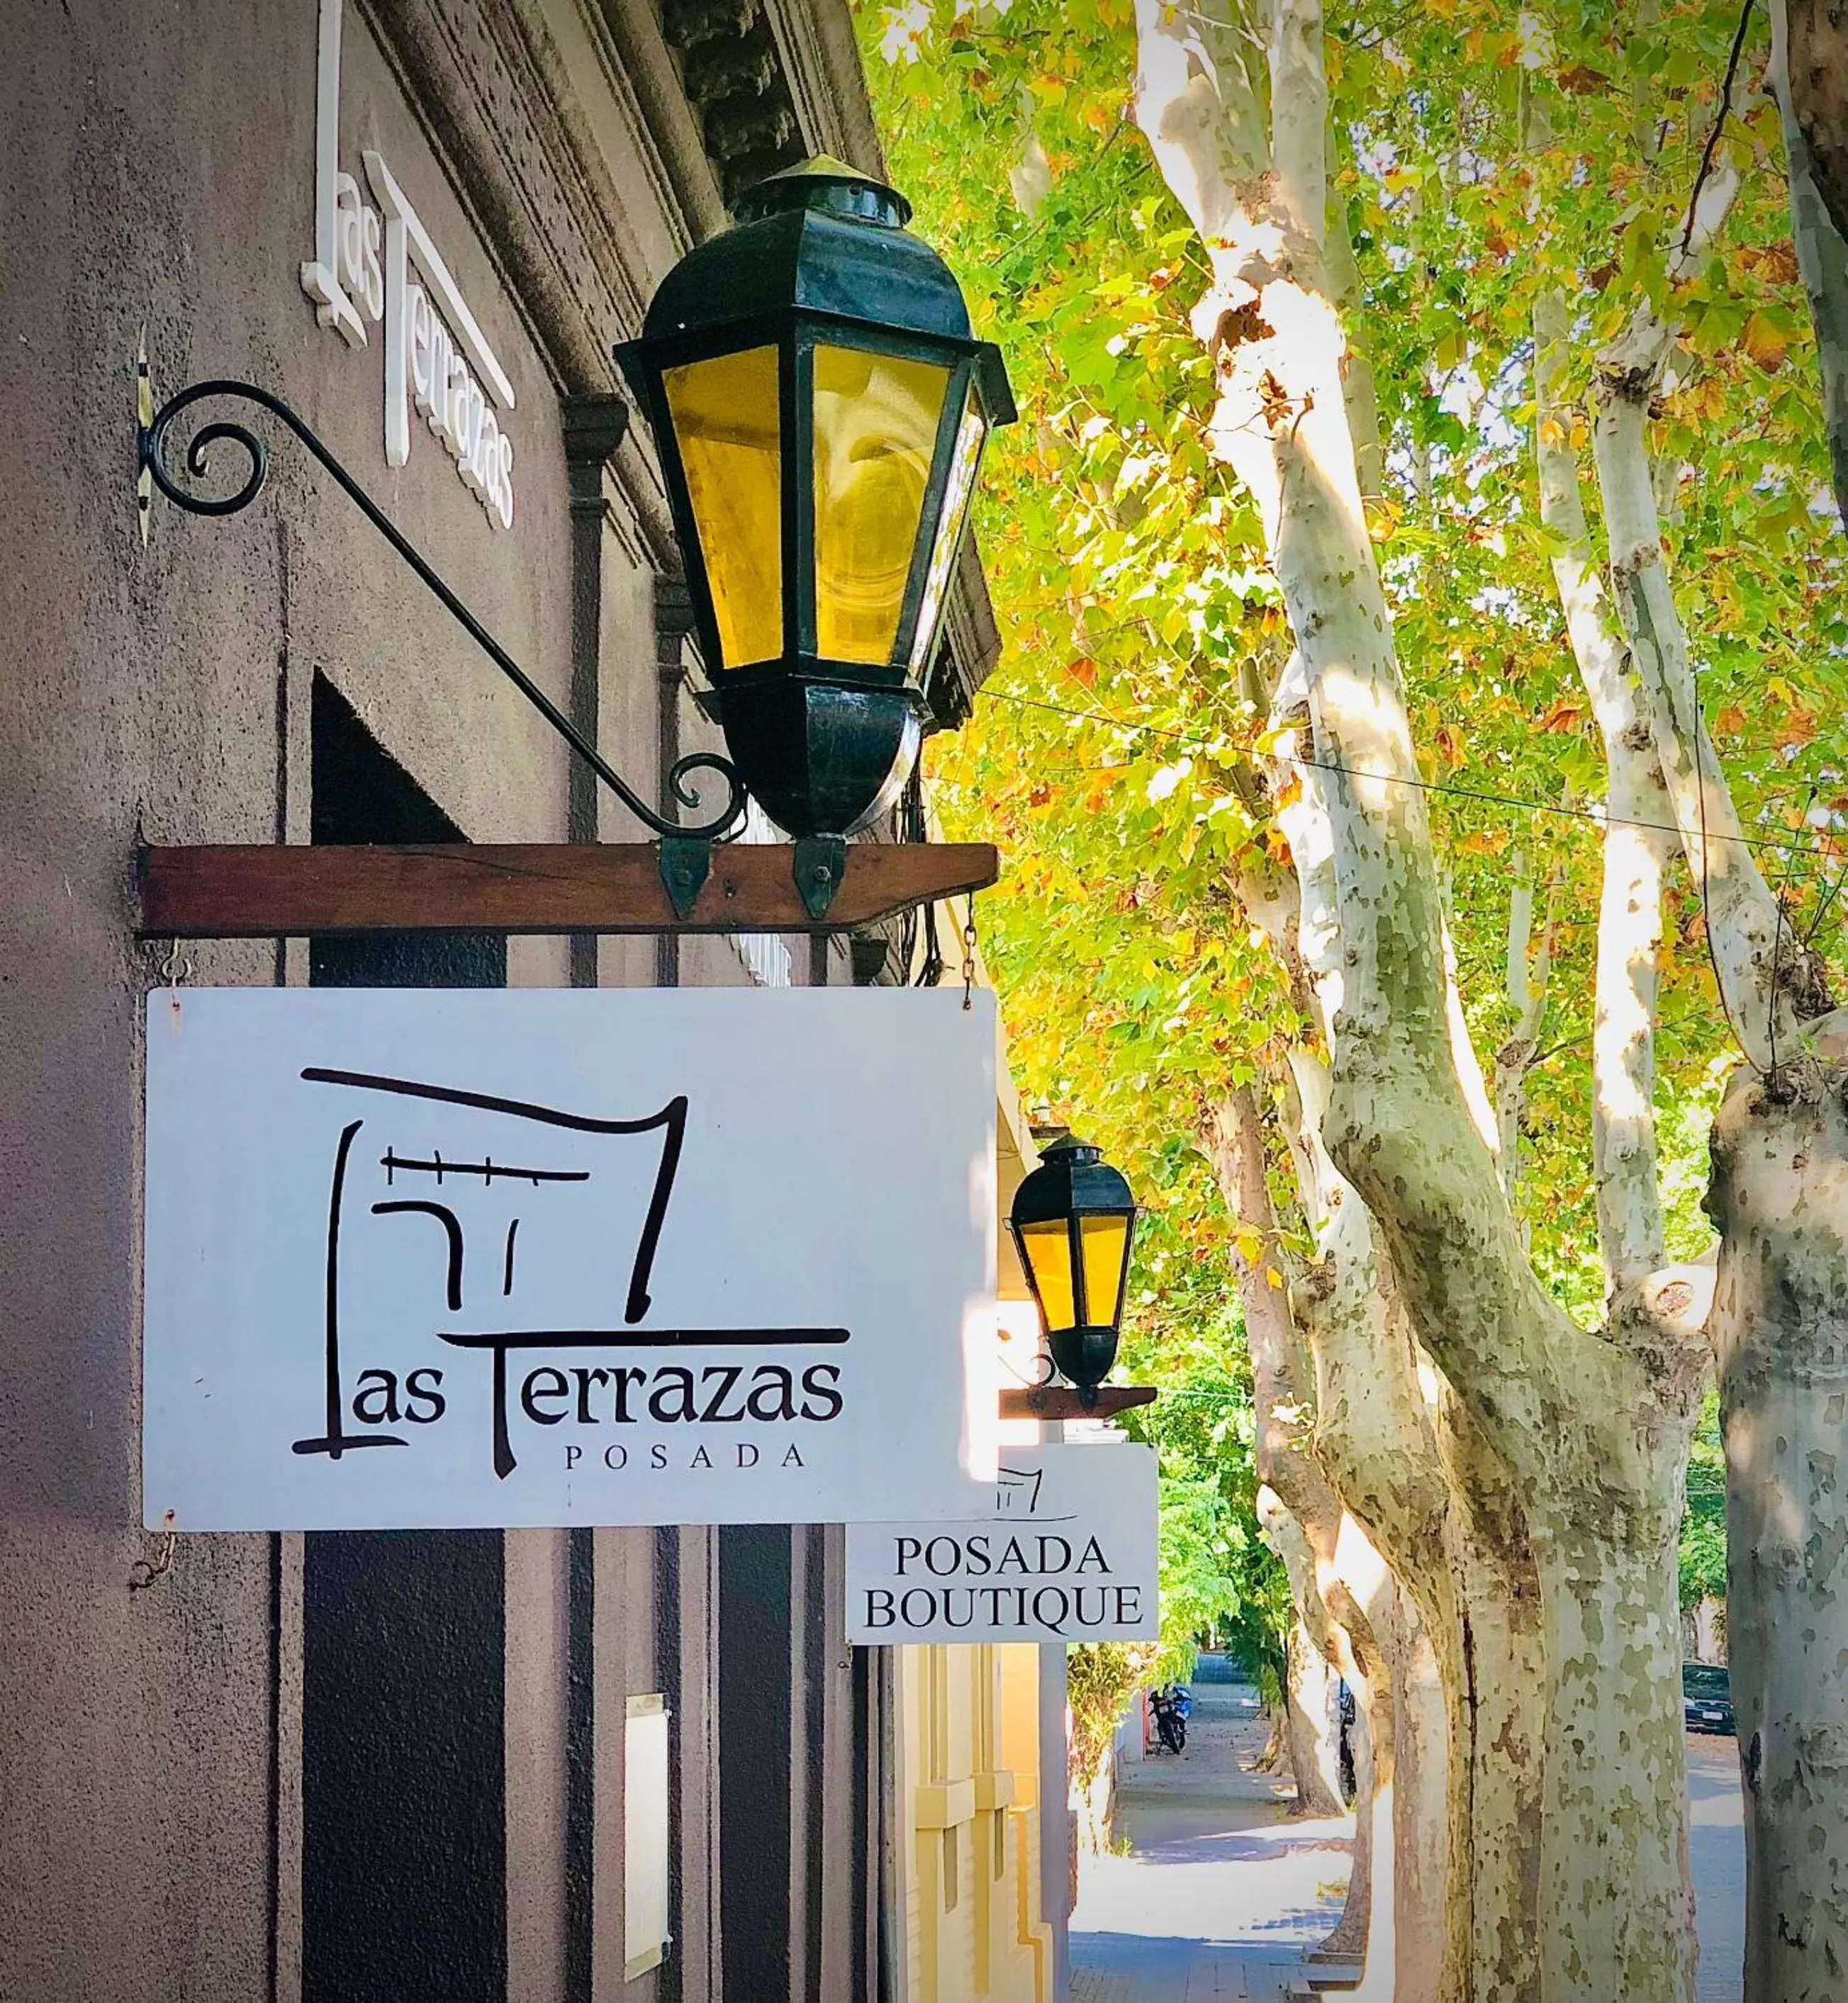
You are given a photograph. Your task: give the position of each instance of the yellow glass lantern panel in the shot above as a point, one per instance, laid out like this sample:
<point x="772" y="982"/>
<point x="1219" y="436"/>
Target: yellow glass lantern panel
<point x="956" y="494"/>
<point x="1104" y="1240"/>
<point x="727" y="426"/>
<point x="1048" y="1249"/>
<point x="875" y="434"/>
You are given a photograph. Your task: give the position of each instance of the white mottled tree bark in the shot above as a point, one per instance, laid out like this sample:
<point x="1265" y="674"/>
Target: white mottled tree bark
<point x="1821" y="253"/>
<point x="1310" y="1735"/>
<point x="1299" y="1442"/>
<point x="1779" y="1197"/>
<point x="1585" y="1433"/>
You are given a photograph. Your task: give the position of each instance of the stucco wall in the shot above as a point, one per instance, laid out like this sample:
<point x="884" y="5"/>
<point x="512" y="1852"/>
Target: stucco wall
<point x="969" y="1806"/>
<point x="159" y="172"/>
<point x="158" y="175"/>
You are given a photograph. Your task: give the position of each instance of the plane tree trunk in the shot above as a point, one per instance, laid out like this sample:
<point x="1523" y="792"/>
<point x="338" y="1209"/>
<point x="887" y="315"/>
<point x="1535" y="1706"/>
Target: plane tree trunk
<point x="1779" y="1196"/>
<point x="1340" y="1410"/>
<point x="1778" y="1317"/>
<point x="1588" y="1430"/>
<point x="1311" y="1734"/>
<point x="1340" y="1586"/>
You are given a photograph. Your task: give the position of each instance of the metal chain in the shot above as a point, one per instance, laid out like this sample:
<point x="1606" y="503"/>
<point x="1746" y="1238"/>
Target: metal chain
<point x="968" y="953"/>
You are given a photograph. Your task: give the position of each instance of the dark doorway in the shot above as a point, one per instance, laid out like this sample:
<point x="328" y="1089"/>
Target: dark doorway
<point x="404" y="1850"/>
<point x="359" y="794"/>
<point x="755" y="1642"/>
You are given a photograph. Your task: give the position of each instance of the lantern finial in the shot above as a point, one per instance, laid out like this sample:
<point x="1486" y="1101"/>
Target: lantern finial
<point x="827" y="184"/>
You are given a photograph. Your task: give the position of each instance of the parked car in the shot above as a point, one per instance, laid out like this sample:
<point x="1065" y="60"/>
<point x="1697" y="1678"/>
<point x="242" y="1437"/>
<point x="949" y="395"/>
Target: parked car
<point x="1706" y="1698"/>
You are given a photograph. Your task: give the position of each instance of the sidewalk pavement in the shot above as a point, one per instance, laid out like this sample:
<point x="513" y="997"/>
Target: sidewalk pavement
<point x="1717" y="1860"/>
<point x="1221" y="1889"/>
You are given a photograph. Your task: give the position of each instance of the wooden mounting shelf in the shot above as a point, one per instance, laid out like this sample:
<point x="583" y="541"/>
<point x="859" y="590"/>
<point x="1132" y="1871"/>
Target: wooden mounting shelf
<point x="277" y="891"/>
<point x="1058" y="1401"/>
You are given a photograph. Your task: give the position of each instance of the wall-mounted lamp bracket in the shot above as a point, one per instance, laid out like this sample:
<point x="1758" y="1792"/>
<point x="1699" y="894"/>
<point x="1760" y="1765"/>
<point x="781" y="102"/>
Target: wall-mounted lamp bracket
<point x="150" y="463"/>
<point x="272" y="890"/>
<point x="1063" y="1401"/>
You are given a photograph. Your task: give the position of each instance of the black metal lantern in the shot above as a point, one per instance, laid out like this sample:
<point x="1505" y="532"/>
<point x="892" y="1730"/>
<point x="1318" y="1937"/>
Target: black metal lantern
<point x="1073" y="1221"/>
<point x="820" y="407"/>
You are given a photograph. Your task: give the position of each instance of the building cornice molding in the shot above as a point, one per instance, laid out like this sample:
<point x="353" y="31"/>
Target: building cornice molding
<point x="705" y="98"/>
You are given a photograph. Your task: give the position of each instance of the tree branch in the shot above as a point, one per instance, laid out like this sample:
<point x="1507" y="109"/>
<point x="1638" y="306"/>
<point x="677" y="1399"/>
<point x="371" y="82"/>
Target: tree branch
<point x="1630" y="1216"/>
<point x="1299" y="116"/>
<point x="1629" y="689"/>
<point x="1363" y="395"/>
<point x="1200" y="106"/>
<point x="1743" y="923"/>
<point x="1280" y="1391"/>
<point x="1822" y="258"/>
<point x="1528" y="979"/>
<point x="1468" y="1066"/>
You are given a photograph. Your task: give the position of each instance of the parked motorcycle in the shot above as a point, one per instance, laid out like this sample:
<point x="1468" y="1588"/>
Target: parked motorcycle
<point x="1172" y="1705"/>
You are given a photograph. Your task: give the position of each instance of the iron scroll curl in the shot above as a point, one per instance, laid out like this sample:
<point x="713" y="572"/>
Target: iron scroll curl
<point x="153" y="448"/>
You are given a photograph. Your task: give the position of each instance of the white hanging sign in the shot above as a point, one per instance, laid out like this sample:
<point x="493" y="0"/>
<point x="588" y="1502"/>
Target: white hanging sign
<point x="1065" y="1549"/>
<point x="454" y="1259"/>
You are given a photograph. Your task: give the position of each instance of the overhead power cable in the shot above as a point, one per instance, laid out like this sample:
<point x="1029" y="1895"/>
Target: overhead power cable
<point x="1596" y="816"/>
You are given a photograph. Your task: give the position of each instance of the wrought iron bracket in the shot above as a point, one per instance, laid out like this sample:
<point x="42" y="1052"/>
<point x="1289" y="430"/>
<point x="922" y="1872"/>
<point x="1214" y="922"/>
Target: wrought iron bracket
<point x="277" y="890"/>
<point x="152" y="429"/>
<point x="820" y="863"/>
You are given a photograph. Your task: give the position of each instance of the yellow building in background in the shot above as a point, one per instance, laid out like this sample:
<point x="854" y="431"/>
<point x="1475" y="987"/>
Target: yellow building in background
<point x="973" y="1867"/>
<point x="983" y="1830"/>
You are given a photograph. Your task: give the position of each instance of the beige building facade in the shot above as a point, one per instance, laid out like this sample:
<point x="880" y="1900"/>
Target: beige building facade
<point x="380" y="1767"/>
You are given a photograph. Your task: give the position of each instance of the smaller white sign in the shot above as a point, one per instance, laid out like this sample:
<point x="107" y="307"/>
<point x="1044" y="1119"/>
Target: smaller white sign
<point x="1065" y="1551"/>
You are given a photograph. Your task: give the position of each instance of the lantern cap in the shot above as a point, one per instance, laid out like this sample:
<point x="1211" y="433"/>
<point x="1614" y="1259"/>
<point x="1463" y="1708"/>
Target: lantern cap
<point x="821" y="240"/>
<point x="829" y="186"/>
<point x="1072" y="1177"/>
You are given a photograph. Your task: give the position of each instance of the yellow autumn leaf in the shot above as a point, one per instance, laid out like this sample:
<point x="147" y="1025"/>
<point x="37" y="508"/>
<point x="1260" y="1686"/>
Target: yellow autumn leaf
<point x="1766" y="345"/>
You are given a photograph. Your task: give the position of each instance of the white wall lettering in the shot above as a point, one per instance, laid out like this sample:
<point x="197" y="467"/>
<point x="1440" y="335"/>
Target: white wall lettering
<point x="373" y="264"/>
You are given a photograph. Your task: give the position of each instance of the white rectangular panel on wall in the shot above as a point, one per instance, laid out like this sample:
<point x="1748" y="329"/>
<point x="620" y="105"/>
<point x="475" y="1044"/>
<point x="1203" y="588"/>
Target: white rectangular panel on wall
<point x="645" y="1918"/>
<point x="1063" y="1546"/>
<point x="459" y="1259"/>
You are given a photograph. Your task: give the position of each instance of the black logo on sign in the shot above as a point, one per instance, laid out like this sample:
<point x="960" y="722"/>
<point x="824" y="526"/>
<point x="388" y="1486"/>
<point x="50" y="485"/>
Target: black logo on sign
<point x="621" y="1394"/>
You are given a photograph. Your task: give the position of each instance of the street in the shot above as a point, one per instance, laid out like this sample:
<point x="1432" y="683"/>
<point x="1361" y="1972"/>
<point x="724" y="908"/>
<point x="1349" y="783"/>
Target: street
<point x="1221" y="1889"/>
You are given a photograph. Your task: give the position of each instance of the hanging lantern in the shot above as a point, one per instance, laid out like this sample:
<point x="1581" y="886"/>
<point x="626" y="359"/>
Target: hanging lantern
<point x="820" y="407"/>
<point x="1073" y="1222"/>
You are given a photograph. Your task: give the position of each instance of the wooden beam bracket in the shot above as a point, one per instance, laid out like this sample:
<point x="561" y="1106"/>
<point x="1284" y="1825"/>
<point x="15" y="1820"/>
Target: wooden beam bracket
<point x="1060" y="1401"/>
<point x="287" y="891"/>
